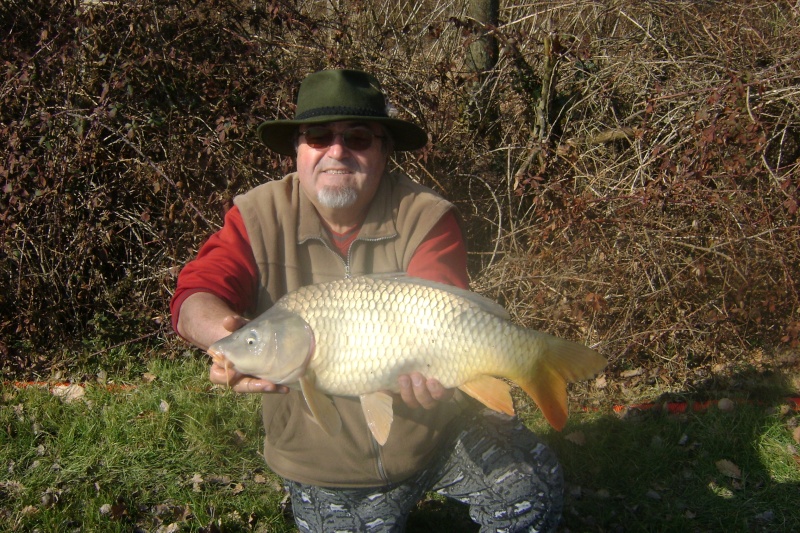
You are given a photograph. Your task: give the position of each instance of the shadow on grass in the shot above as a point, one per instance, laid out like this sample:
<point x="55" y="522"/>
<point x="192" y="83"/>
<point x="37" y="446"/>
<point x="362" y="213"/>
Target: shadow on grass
<point x="702" y="470"/>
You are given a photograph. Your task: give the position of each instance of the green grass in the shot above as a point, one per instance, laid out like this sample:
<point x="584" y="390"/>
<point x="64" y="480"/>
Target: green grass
<point x="136" y="455"/>
<point x="657" y="472"/>
<point x="118" y="460"/>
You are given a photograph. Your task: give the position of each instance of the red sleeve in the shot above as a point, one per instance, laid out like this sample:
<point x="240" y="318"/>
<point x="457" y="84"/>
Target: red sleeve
<point x="225" y="267"/>
<point x="442" y="256"/>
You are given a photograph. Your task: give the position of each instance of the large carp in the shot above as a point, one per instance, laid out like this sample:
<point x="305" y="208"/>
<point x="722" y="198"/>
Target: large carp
<point x="354" y="337"/>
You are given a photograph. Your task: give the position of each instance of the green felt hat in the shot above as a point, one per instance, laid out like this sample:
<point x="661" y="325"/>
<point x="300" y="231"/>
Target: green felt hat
<point x="334" y="95"/>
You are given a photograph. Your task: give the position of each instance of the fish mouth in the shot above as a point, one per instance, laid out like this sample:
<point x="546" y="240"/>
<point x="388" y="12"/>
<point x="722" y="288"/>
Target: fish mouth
<point x="218" y="358"/>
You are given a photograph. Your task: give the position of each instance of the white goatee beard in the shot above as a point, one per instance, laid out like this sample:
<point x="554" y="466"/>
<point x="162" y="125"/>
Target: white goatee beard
<point x="337" y="197"/>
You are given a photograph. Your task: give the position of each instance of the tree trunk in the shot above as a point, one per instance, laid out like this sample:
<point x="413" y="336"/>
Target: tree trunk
<point x="481" y="61"/>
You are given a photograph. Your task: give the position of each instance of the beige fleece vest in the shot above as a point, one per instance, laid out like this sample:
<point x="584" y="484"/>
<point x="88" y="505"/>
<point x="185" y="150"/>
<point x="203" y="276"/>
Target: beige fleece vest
<point x="292" y="249"/>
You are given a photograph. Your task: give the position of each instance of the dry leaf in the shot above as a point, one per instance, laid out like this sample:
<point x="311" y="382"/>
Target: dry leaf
<point x="576" y="437"/>
<point x="237" y="488"/>
<point x="29" y="510"/>
<point x="729" y="469"/>
<point x="602" y="494"/>
<point x="601" y="382"/>
<point x="68" y="393"/>
<point x="118" y="510"/>
<point x="796" y="434"/>
<point x="115" y="511"/>
<point x="164" y="406"/>
<point x="258" y="478"/>
<point x="197" y="482"/>
<point x="633" y="373"/>
<point x="14" y="487"/>
<point x="725" y="404"/>
<point x="162" y="509"/>
<point x="722" y="492"/>
<point x="148" y="377"/>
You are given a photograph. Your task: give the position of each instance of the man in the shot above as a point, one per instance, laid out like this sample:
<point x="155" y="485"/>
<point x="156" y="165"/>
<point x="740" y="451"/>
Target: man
<point x="343" y="214"/>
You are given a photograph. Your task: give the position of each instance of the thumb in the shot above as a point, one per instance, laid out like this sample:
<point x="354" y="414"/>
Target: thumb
<point x="233" y="322"/>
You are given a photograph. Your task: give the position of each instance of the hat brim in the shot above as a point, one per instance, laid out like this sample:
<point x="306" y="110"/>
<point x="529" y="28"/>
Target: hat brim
<point x="279" y="135"/>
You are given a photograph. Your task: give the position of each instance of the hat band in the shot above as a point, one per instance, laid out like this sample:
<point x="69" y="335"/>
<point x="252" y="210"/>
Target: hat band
<point x="340" y="110"/>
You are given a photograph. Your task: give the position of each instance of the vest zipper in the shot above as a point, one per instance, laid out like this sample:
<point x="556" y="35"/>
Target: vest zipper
<point x="379" y="459"/>
<point x="347" y="274"/>
<point x="375" y="446"/>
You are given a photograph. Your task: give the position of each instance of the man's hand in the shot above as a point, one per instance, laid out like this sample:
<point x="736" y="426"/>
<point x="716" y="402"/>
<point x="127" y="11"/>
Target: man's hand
<point x="417" y="391"/>
<point x="236" y="381"/>
<point x="240" y="382"/>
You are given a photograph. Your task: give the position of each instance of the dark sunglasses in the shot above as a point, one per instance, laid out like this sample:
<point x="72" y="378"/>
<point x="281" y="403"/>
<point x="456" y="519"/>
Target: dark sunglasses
<point x="359" y="139"/>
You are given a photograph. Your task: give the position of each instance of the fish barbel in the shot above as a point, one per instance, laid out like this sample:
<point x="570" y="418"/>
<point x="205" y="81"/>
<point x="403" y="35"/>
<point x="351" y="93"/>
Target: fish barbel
<point x="355" y="336"/>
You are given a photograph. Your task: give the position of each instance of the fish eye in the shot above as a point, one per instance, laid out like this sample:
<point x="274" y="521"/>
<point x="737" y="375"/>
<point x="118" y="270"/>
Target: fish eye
<point x="251" y="339"/>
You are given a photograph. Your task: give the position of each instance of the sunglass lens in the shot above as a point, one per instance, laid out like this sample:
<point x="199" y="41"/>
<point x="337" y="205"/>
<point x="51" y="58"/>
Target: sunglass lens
<point x="354" y="139"/>
<point x="318" y="137"/>
<point x="358" y="138"/>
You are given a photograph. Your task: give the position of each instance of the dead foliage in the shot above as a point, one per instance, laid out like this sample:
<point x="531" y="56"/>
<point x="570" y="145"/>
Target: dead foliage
<point x="649" y="208"/>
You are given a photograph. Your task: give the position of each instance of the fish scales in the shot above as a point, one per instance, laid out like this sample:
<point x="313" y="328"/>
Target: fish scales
<point x="369" y="332"/>
<point x="354" y="337"/>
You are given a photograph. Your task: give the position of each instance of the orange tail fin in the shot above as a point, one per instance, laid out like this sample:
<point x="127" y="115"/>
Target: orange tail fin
<point x="560" y="363"/>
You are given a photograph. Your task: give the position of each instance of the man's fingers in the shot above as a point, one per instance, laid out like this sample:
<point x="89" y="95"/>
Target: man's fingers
<point x="233" y="322"/>
<point x="248" y="384"/>
<point x="438" y="392"/>
<point x="221" y="375"/>
<point x="416" y="391"/>
<point x="421" y="392"/>
<point x="407" y="391"/>
<point x="241" y="383"/>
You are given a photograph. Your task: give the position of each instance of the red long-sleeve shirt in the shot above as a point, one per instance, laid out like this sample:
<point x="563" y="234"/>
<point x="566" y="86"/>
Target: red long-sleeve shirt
<point x="225" y="265"/>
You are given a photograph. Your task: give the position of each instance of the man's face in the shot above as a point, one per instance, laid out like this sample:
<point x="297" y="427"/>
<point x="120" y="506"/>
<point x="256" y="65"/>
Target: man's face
<point x="335" y="176"/>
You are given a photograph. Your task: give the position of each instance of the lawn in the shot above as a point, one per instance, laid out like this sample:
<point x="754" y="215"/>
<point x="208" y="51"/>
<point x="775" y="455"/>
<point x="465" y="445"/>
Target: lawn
<point x="164" y="451"/>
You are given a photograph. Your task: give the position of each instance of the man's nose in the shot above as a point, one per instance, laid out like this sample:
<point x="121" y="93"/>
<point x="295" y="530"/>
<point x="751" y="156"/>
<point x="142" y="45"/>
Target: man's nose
<point x="337" y="147"/>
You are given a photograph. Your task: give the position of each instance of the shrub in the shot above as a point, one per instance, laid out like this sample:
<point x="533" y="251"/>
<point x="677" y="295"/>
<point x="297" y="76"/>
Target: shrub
<point x="653" y="213"/>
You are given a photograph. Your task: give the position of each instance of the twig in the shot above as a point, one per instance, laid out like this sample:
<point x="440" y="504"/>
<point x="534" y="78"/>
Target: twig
<point x="131" y="341"/>
<point x="499" y="218"/>
<point x="608" y="136"/>
<point x="151" y="164"/>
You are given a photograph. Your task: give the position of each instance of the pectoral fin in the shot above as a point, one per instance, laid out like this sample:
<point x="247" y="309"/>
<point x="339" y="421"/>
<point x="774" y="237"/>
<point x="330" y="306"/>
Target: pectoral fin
<point x="377" y="407"/>
<point x="492" y="392"/>
<point x="321" y="406"/>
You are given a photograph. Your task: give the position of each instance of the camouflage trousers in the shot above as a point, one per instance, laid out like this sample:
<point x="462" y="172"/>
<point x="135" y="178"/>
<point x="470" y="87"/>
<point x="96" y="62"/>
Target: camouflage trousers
<point x="509" y="479"/>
